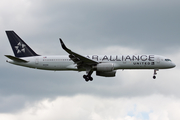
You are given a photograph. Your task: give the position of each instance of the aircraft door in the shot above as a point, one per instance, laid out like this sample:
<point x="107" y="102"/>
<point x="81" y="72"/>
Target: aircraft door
<point x="37" y="61"/>
<point x="158" y="60"/>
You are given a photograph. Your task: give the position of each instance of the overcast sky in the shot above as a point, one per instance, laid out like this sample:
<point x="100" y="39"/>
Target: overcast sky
<point x="91" y="27"/>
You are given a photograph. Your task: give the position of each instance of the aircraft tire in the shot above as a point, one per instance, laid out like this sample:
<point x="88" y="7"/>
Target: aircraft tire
<point x="86" y="78"/>
<point x="154" y="77"/>
<point x="91" y="79"/>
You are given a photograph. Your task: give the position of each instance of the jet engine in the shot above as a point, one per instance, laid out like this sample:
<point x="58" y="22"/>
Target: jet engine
<point x="106" y="74"/>
<point x="105" y="69"/>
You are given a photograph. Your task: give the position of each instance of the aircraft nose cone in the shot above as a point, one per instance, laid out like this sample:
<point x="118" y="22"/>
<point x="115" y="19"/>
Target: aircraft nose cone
<point x="173" y="65"/>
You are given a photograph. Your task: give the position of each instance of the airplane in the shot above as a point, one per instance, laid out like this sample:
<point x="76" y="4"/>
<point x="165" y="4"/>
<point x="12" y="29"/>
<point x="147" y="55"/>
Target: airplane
<point x="103" y="65"/>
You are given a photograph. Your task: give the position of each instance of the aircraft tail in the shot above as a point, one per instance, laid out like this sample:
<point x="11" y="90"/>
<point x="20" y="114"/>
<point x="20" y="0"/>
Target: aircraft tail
<point x="19" y="47"/>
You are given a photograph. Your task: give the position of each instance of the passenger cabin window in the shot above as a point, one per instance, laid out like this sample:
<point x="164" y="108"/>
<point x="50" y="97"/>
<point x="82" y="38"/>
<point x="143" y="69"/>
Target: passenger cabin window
<point x="167" y="60"/>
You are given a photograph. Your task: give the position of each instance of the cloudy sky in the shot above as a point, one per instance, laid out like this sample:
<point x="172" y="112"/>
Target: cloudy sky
<point x="91" y="27"/>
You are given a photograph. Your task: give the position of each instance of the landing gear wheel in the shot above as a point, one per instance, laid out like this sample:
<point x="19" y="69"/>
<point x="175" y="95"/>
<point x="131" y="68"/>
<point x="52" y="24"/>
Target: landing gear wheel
<point x="91" y="79"/>
<point x="84" y="76"/>
<point x="155" y="73"/>
<point x="87" y="78"/>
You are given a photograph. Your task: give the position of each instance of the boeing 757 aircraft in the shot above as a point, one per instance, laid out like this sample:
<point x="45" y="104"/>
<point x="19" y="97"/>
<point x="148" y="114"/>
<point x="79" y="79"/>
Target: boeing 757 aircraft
<point x="103" y="65"/>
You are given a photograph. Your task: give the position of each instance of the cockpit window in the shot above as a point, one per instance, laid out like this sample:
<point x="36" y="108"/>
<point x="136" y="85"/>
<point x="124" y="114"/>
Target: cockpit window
<point x="167" y="60"/>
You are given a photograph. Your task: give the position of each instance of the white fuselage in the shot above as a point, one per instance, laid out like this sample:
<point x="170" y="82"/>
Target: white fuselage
<point x="63" y="62"/>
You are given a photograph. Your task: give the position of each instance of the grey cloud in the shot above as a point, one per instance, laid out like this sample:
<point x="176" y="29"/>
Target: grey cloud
<point x="35" y="85"/>
<point x="151" y="26"/>
<point x="148" y="25"/>
<point x="10" y="104"/>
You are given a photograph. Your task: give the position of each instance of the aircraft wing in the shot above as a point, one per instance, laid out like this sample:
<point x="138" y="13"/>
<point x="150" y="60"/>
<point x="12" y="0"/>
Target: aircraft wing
<point x="77" y="58"/>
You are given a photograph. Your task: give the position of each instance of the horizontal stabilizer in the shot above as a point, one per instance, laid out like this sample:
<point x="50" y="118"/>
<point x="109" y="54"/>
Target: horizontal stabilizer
<point x="15" y="58"/>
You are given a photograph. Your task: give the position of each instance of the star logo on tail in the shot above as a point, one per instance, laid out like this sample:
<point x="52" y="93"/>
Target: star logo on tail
<point x="20" y="48"/>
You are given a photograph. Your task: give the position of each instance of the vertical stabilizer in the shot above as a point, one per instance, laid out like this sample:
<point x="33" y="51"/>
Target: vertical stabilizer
<point x="19" y="47"/>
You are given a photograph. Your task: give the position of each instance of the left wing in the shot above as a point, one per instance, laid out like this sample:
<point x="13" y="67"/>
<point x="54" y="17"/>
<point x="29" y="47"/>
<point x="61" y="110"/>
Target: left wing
<point x="15" y="58"/>
<point x="78" y="59"/>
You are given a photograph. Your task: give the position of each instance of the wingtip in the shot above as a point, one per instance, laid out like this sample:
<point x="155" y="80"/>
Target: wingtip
<point x="61" y="41"/>
<point x="62" y="44"/>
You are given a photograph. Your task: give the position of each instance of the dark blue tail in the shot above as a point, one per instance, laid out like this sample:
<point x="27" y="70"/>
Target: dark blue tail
<point x="19" y="47"/>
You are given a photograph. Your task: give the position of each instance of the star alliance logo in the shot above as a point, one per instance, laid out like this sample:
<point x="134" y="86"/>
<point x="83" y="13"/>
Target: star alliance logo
<point x="20" y="48"/>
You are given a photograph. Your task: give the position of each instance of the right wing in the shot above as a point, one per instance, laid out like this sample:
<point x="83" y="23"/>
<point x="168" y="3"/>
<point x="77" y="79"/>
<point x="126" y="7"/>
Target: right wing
<point x="78" y="59"/>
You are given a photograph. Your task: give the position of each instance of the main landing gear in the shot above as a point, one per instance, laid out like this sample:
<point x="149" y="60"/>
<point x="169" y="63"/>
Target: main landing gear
<point x="88" y="76"/>
<point x="155" y="73"/>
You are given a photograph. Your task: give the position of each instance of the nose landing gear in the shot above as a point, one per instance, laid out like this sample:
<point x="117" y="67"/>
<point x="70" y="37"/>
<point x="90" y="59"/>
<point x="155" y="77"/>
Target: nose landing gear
<point x="155" y="73"/>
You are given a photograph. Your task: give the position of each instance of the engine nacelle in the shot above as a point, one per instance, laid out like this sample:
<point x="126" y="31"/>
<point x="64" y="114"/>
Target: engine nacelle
<point x="106" y="74"/>
<point x="105" y="67"/>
